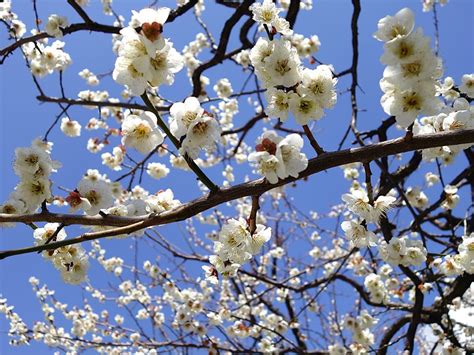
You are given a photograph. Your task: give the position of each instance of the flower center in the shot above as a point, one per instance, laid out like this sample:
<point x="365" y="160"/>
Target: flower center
<point x="305" y="106"/>
<point x="32" y="159"/>
<point x="470" y="246"/>
<point x="141" y="131"/>
<point x="133" y="71"/>
<point x="188" y="117"/>
<point x="398" y="30"/>
<point x="8" y="209"/>
<point x="316" y="87"/>
<point x="411" y="102"/>
<point x="37" y="188"/>
<point x="281" y="67"/>
<point x="93" y="197"/>
<point x="159" y="62"/>
<point x="412" y="69"/>
<point x="404" y="50"/>
<point x="267" y="16"/>
<point x="74" y="199"/>
<point x="200" y="128"/>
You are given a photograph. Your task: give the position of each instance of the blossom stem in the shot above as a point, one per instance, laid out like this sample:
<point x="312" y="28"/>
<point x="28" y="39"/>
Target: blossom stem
<point x="409" y="134"/>
<point x="319" y="150"/>
<point x="368" y="182"/>
<point x="269" y="33"/>
<point x="253" y="214"/>
<point x="192" y="165"/>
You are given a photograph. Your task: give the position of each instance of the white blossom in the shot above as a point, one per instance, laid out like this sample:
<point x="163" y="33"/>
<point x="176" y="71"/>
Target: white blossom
<point x="157" y="170"/>
<point x="70" y="128"/>
<point x="55" y="25"/>
<point x="395" y="27"/>
<point x="141" y="132"/>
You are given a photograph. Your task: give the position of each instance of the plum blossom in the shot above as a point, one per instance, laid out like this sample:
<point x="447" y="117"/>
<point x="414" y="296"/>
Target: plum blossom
<point x="395" y="27"/>
<point x="266" y="13"/>
<point x="203" y="132"/>
<point x="358" y="235"/>
<point x="70" y="127"/>
<point x="277" y="158"/>
<point x="97" y="193"/>
<point x="403" y="251"/>
<point x="200" y="129"/>
<point x="236" y="245"/>
<point x="409" y="80"/>
<point x="141" y="132"/>
<point x="157" y="170"/>
<point x="467" y="86"/>
<point x="146" y="57"/>
<point x="358" y="203"/>
<point x="55" y="25"/>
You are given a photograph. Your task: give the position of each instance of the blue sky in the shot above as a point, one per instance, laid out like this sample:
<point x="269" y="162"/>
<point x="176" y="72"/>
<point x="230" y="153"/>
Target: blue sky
<point x="23" y="118"/>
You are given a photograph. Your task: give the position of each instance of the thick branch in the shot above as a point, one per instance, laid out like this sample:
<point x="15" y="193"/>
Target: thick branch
<point x="255" y="187"/>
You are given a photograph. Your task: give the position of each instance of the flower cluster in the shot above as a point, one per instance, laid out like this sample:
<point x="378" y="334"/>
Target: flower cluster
<point x="367" y="211"/>
<point x="187" y="305"/>
<point x="266" y="14"/>
<point x="5" y="9"/>
<point x="89" y="77"/>
<point x="33" y="165"/>
<point x="71" y="260"/>
<point x="18" y="328"/>
<point x="223" y="88"/>
<point x="429" y="4"/>
<point x="305" y="46"/>
<point x="137" y="203"/>
<point x="278" y="158"/>
<point x="114" y="160"/>
<point x="459" y="116"/>
<point x="360" y="328"/>
<point x="416" y="197"/>
<point x="461" y="262"/>
<point x="44" y="59"/>
<point x="190" y="53"/>
<point x="358" y="203"/>
<point x="170" y="306"/>
<point x="403" y="251"/>
<point x="16" y="27"/>
<point x="409" y="80"/>
<point x="145" y="57"/>
<point x="376" y="287"/>
<point x="358" y="234"/>
<point x="198" y="127"/>
<point x="290" y="87"/>
<point x="235" y="246"/>
<point x="466" y="253"/>
<point x="351" y="171"/>
<point x="451" y="197"/>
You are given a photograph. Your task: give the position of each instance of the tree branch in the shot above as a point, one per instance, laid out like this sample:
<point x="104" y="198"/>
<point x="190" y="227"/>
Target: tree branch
<point x="255" y="187"/>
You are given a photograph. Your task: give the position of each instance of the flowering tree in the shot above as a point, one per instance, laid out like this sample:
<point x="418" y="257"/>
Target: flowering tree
<point x="386" y="269"/>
